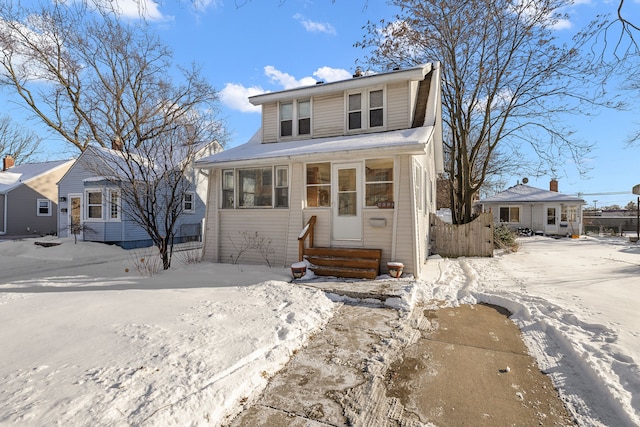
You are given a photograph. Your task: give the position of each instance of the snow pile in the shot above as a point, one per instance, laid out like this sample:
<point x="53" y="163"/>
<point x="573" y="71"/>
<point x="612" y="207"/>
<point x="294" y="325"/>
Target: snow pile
<point x="88" y="341"/>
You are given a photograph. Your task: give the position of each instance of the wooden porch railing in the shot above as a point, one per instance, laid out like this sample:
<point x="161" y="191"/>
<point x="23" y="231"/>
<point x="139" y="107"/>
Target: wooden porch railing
<point x="307" y="231"/>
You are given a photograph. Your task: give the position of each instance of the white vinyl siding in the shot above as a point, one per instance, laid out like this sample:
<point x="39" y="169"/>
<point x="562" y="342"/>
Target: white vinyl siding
<point x="397" y="108"/>
<point x="270" y="122"/>
<point x="328" y="116"/>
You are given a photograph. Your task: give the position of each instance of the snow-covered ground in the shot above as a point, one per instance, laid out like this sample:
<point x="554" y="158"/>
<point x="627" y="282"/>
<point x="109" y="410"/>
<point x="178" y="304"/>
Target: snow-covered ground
<point x="87" y="340"/>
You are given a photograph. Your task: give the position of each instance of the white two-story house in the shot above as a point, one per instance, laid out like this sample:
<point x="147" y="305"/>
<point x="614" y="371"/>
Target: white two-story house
<point x="358" y="158"/>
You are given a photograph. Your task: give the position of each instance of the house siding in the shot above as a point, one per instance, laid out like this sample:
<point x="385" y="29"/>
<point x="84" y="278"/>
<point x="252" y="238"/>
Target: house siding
<point x="328" y="116"/>
<point x="270" y="122"/>
<point x="397" y="106"/>
<point x="3" y="203"/>
<point x="405" y="218"/>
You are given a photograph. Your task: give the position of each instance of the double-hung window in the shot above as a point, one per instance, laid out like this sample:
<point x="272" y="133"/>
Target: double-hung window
<point x="378" y="182"/>
<point x="282" y="187"/>
<point x="318" y="185"/>
<point x="44" y="207"/>
<point x="227" y="189"/>
<point x="365" y="110"/>
<point x="295" y="118"/>
<point x="189" y="202"/>
<point x="94" y="204"/>
<point x="510" y="214"/>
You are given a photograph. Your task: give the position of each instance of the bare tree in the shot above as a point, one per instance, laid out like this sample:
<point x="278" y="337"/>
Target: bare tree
<point x="20" y="143"/>
<point x="93" y="78"/>
<point x="506" y="83"/>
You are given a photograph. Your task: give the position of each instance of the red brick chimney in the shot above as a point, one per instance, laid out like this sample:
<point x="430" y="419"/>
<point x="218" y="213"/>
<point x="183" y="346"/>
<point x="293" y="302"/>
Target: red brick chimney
<point x="7" y="162"/>
<point x="553" y="185"/>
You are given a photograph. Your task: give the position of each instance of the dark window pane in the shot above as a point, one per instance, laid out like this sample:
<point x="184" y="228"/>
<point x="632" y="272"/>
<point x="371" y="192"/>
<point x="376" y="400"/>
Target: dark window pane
<point x="304" y="126"/>
<point x="286" y="128"/>
<point x="375" y="118"/>
<point x="355" y="121"/>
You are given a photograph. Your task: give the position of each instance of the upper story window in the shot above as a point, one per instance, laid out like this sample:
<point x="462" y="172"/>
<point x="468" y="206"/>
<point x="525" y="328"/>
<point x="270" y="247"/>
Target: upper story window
<point x="44" y="207"/>
<point x="295" y="118"/>
<point x="365" y="110"/>
<point x="189" y="202"/>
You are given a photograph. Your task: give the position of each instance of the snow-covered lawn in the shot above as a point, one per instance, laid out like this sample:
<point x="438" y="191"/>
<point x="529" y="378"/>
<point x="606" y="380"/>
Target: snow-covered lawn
<point x="85" y="340"/>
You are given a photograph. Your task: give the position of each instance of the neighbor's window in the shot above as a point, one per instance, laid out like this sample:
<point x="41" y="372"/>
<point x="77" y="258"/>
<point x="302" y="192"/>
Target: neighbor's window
<point x="44" y="207"/>
<point x="318" y="185"/>
<point x="510" y="214"/>
<point x="282" y="187"/>
<point x="114" y="204"/>
<point x="286" y="118"/>
<point x="569" y="213"/>
<point x="94" y="204"/>
<point x="255" y="188"/>
<point x="227" y="189"/>
<point x="378" y="181"/>
<point x="189" y="202"/>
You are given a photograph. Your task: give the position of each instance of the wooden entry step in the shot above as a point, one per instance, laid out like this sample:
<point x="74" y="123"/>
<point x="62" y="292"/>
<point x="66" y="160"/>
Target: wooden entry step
<point x="356" y="263"/>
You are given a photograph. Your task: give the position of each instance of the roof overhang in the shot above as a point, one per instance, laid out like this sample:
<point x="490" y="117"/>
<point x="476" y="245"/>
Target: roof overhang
<point x="415" y="73"/>
<point x="408" y="141"/>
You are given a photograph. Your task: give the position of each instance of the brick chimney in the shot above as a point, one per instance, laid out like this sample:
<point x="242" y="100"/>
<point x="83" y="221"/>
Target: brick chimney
<point x="553" y="185"/>
<point x="7" y="162"/>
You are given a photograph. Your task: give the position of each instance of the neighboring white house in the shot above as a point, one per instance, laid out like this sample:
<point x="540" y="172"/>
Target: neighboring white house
<point x="361" y="155"/>
<point x="29" y="197"/>
<point x="543" y="211"/>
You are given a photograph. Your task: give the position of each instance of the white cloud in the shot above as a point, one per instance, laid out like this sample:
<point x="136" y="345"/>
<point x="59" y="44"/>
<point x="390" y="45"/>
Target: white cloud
<point x="147" y="9"/>
<point x="203" y="5"/>
<point x="285" y="80"/>
<point x="236" y="97"/>
<point x="315" y="27"/>
<point x="329" y="74"/>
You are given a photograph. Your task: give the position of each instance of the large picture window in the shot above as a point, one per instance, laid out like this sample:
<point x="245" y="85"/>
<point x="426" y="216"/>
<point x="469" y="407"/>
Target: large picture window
<point x="569" y="213"/>
<point x="318" y="185"/>
<point x="254" y="187"/>
<point x="378" y="181"/>
<point x="510" y="214"/>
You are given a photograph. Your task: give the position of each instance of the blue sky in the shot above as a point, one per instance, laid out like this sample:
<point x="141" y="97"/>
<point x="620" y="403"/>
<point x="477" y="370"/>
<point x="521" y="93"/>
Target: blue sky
<point x="248" y="47"/>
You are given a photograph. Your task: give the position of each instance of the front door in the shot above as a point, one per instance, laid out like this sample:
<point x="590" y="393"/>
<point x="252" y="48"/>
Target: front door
<point x="75" y="215"/>
<point x="347" y="204"/>
<point x="551" y="220"/>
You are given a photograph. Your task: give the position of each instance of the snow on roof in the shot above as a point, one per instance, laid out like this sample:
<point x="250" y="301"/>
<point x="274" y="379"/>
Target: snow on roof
<point x="16" y="175"/>
<point x="407" y="140"/>
<point x="525" y="193"/>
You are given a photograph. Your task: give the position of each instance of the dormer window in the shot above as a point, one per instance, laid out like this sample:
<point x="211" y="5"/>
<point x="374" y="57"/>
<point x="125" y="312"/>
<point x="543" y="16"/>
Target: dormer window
<point x="365" y="110"/>
<point x="295" y="124"/>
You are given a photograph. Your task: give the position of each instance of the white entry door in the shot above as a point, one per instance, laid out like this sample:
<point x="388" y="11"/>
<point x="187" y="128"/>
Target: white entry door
<point x="551" y="219"/>
<point x="347" y="204"/>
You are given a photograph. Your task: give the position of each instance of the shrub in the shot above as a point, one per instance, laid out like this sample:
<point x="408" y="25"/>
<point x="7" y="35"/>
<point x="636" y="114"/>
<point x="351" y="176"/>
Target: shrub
<point x="504" y="238"/>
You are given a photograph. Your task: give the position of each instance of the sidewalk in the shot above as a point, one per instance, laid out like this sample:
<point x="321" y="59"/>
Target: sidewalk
<point x="437" y="366"/>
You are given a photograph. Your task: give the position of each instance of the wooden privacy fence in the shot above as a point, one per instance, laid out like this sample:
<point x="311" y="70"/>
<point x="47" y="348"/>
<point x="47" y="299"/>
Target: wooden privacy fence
<point x="472" y="239"/>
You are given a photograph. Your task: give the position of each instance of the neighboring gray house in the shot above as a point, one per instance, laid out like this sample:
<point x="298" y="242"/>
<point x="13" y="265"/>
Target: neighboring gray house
<point x="29" y="197"/>
<point x="543" y="211"/>
<point x="359" y="156"/>
<point x="93" y="201"/>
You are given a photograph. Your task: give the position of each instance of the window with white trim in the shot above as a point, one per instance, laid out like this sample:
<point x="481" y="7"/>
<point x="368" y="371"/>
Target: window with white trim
<point x="282" y="187"/>
<point x="44" y="207"/>
<point x="510" y="214"/>
<point x="295" y="118"/>
<point x="365" y="110"/>
<point x="569" y="213"/>
<point x="318" y="185"/>
<point x="378" y="182"/>
<point x="189" y="202"/>
<point x="227" y="189"/>
<point x="94" y="204"/>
